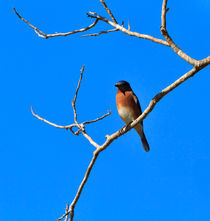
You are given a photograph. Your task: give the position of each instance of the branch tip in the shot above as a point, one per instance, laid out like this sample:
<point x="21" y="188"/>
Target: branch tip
<point x="109" y="11"/>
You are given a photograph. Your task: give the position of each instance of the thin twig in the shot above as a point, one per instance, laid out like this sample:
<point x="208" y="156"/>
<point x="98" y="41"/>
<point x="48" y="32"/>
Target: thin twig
<point x="109" y="11"/>
<point x="38" y="31"/>
<point x="71" y="125"/>
<point x="127" y="31"/>
<point x="67" y="208"/>
<point x="100" y="118"/>
<point x="78" y="85"/>
<point x="75" y="97"/>
<point x="167" y="37"/>
<point x="100" y="33"/>
<point x="72" y="206"/>
<point x="81" y="126"/>
<point x="50" y="123"/>
<point x="44" y="35"/>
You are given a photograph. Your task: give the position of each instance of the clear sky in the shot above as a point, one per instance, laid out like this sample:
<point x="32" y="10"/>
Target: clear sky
<point x="41" y="167"/>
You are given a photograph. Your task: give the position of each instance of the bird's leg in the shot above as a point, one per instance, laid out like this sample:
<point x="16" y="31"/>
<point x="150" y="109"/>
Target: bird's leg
<point x="125" y="127"/>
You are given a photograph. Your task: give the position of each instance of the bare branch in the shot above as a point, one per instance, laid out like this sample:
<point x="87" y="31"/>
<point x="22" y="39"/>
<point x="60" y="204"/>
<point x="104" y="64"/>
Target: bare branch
<point x="109" y="11"/>
<point x="124" y="130"/>
<point x="72" y="206"/>
<point x="67" y="208"/>
<point x="50" y="123"/>
<point x="100" y="118"/>
<point x="38" y="31"/>
<point x="205" y="61"/>
<point x="97" y="17"/>
<point x="171" y="43"/>
<point x="43" y="35"/>
<point x="155" y="100"/>
<point x="102" y="32"/>
<point x="81" y="126"/>
<point x="75" y="97"/>
<point x="71" y="125"/>
<point x="127" y="31"/>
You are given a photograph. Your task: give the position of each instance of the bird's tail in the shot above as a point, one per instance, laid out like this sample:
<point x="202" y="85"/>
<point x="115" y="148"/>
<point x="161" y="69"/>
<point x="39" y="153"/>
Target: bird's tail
<point x="145" y="144"/>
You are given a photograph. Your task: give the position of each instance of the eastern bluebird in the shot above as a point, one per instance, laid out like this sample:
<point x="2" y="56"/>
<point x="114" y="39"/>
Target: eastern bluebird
<point x="129" y="109"/>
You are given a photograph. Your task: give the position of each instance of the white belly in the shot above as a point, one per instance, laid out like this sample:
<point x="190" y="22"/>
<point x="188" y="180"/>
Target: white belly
<point x="126" y="115"/>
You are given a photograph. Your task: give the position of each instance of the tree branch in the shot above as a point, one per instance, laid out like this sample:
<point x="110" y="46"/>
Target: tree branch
<point x="127" y="31"/>
<point x="67" y="208"/>
<point x="81" y="126"/>
<point x="97" y="17"/>
<point x="75" y="97"/>
<point x="109" y="11"/>
<point x="124" y="130"/>
<point x="71" y="126"/>
<point x="72" y="206"/>
<point x="152" y="104"/>
<point x="100" y="33"/>
<point x="171" y="43"/>
<point x="50" y="123"/>
<point x="43" y="35"/>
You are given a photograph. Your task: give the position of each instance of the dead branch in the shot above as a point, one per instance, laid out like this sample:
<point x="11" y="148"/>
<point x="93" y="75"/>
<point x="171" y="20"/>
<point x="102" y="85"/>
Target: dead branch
<point x="97" y="17"/>
<point x="124" y="130"/>
<point x="71" y="126"/>
<point x="75" y="97"/>
<point x="127" y="31"/>
<point x="43" y="35"/>
<point x="109" y="11"/>
<point x="171" y="43"/>
<point x="81" y="126"/>
<point x="72" y="206"/>
<point x="67" y="208"/>
<point x="100" y="33"/>
<point x="50" y="123"/>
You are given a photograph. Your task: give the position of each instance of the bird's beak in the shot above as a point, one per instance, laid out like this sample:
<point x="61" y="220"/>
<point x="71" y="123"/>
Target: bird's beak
<point x="116" y="85"/>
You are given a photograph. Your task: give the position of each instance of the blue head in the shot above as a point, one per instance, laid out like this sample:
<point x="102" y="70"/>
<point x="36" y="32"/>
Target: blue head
<point x="123" y="86"/>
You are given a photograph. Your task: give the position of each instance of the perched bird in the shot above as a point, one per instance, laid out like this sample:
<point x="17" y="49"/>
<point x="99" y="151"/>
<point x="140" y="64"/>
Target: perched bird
<point x="129" y="109"/>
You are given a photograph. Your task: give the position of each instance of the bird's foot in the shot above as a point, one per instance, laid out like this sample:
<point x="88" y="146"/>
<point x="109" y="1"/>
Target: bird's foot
<point x="127" y="126"/>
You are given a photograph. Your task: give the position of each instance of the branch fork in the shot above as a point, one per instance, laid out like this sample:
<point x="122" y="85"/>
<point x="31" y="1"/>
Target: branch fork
<point x="80" y="126"/>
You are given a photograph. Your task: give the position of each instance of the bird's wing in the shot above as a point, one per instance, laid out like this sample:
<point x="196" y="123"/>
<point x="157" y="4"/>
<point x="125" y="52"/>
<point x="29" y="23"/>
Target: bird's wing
<point x="138" y="104"/>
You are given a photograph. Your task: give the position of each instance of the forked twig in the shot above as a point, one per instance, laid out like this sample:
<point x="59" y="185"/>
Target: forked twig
<point x="70" y="126"/>
<point x="50" y="123"/>
<point x="127" y="31"/>
<point x="81" y="126"/>
<point x="44" y="35"/>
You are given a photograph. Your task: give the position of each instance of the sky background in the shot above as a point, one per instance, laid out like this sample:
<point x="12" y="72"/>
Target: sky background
<point x="41" y="167"/>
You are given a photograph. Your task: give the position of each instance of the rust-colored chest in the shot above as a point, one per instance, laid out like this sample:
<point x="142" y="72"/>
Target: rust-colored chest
<point x="126" y="102"/>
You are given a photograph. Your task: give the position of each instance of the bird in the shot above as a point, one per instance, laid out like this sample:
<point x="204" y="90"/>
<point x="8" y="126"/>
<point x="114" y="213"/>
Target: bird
<point x="129" y="109"/>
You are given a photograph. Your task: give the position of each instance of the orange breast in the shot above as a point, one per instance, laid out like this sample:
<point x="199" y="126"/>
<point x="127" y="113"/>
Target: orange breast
<point x="127" y="101"/>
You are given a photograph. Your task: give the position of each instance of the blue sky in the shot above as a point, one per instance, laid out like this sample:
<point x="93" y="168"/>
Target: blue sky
<point x="41" y="166"/>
